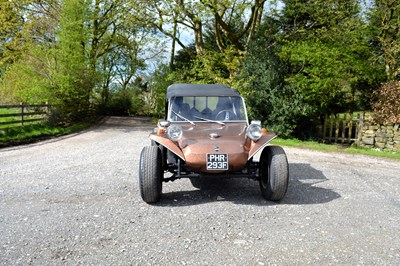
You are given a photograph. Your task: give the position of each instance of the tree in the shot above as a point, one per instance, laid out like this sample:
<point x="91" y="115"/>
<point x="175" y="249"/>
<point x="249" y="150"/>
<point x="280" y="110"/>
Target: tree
<point x="233" y="22"/>
<point x="27" y="59"/>
<point x="328" y="54"/>
<point x="11" y="23"/>
<point x="70" y="52"/>
<point x="385" y="25"/>
<point x="74" y="79"/>
<point x="278" y="105"/>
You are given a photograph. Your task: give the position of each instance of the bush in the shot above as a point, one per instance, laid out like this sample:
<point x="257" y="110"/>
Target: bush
<point x="386" y="104"/>
<point x="121" y="103"/>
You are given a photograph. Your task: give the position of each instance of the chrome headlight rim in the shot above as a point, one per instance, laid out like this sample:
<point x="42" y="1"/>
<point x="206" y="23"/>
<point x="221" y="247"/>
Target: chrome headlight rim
<point x="254" y="132"/>
<point x="175" y="132"/>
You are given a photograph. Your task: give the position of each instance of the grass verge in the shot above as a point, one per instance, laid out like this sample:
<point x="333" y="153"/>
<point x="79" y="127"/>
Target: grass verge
<point x="32" y="133"/>
<point x="312" y="145"/>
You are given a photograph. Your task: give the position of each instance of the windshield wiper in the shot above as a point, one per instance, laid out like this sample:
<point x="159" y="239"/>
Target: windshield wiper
<point x="209" y="120"/>
<point x="183" y="118"/>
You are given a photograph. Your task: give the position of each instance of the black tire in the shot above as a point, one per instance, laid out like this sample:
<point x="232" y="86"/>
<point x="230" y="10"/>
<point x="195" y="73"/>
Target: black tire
<point x="163" y="154"/>
<point x="150" y="174"/>
<point x="197" y="182"/>
<point x="274" y="173"/>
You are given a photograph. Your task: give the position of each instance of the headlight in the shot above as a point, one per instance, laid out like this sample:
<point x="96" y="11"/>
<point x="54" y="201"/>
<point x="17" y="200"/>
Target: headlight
<point x="175" y="132"/>
<point x="254" y="132"/>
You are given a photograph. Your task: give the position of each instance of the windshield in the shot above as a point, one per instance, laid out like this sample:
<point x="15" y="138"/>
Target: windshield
<point x="207" y="108"/>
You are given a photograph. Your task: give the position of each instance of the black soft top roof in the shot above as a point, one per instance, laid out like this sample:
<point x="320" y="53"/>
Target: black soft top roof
<point x="200" y="90"/>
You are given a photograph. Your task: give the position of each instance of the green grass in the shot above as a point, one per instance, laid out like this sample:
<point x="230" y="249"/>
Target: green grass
<point x="18" y="118"/>
<point x="33" y="132"/>
<point x="9" y="110"/>
<point x="312" y="145"/>
<point x="9" y="119"/>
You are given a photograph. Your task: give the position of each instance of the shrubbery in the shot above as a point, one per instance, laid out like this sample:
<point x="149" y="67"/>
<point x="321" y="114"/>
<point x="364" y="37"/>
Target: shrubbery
<point x="386" y="105"/>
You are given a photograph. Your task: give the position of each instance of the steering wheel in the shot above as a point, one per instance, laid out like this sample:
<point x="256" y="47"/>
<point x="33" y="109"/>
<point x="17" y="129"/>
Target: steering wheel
<point x="225" y="115"/>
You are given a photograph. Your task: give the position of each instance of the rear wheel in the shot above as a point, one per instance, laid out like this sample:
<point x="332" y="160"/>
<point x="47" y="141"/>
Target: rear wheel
<point x="150" y="174"/>
<point x="274" y="173"/>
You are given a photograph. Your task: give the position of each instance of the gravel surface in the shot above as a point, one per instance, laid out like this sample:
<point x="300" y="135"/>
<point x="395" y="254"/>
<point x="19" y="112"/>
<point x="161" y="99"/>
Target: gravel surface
<point x="75" y="201"/>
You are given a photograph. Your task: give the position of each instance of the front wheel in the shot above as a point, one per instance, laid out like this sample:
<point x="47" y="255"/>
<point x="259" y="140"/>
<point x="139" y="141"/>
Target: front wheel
<point x="273" y="173"/>
<point x="150" y="174"/>
<point x="197" y="182"/>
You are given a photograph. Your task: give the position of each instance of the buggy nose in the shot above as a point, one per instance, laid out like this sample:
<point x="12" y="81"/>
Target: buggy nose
<point x="217" y="157"/>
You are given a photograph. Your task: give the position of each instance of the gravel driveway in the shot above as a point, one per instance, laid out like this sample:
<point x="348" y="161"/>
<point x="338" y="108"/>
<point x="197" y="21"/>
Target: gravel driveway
<point x="75" y="201"/>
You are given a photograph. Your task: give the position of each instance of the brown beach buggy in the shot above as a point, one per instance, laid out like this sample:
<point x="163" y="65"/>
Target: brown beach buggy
<point x="206" y="134"/>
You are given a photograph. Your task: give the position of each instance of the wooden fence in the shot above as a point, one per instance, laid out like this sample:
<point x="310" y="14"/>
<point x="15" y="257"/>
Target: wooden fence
<point x="22" y="114"/>
<point x="342" y="128"/>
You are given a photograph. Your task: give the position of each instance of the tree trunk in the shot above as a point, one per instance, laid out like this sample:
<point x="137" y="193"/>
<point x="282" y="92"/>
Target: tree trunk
<point x="198" y="34"/>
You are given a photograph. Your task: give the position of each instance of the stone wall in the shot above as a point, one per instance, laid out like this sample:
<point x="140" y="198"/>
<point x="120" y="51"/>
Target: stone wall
<point x="384" y="137"/>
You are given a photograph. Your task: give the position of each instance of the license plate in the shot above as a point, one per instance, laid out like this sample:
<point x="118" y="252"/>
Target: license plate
<point x="217" y="161"/>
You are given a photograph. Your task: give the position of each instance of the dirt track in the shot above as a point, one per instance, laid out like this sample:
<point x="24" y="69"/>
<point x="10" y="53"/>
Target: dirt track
<point x="75" y="200"/>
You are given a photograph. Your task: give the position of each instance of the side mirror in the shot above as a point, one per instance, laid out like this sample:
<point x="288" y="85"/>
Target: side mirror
<point x="163" y="123"/>
<point x="256" y="122"/>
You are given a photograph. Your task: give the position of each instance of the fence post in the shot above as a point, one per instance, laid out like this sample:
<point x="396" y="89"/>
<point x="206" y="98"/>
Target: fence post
<point x="330" y="128"/>
<point x="22" y="113"/>
<point x="324" y="129"/>
<point x="344" y="128"/>
<point x="46" y="108"/>
<point x="360" y="125"/>
<point x="337" y="124"/>
<point x="350" y="127"/>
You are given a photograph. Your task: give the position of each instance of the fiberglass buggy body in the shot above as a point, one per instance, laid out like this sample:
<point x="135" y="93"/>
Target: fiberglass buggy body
<point x="206" y="134"/>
